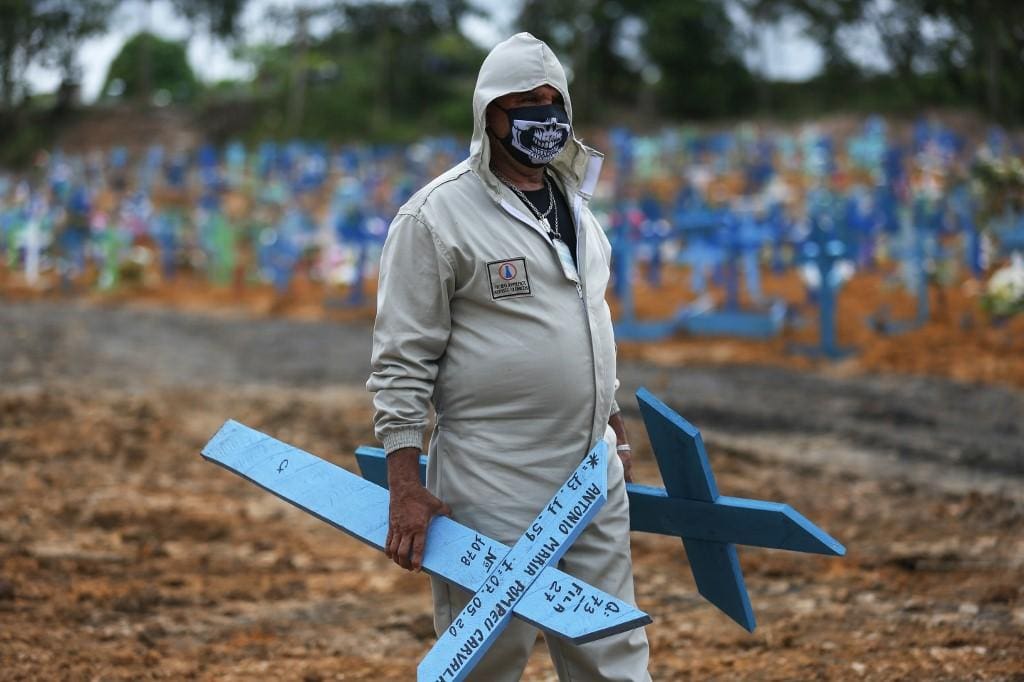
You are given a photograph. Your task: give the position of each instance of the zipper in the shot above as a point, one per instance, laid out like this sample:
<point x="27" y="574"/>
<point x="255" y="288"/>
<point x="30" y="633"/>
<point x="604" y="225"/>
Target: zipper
<point x="577" y="209"/>
<point x="581" y="235"/>
<point x="590" y="179"/>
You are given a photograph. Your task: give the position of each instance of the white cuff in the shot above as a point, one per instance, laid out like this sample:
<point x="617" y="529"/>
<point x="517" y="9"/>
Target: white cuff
<point x="410" y="437"/>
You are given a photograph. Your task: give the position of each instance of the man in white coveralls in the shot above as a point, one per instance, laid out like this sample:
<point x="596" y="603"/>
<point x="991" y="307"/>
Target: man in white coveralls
<point x="491" y="307"/>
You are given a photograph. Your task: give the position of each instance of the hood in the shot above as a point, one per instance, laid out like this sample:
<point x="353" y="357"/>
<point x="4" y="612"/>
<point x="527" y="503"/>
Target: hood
<point x="518" y="64"/>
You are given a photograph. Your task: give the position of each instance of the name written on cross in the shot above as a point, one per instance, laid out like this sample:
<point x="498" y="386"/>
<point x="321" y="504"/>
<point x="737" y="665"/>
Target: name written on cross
<point x="543" y="542"/>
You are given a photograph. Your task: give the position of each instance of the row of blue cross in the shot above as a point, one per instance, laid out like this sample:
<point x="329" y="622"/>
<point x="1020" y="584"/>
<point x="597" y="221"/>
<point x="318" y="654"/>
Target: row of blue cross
<point x="523" y="581"/>
<point x="839" y="236"/>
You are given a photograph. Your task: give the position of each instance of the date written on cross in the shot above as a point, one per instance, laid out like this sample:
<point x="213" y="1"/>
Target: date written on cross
<point x="544" y="541"/>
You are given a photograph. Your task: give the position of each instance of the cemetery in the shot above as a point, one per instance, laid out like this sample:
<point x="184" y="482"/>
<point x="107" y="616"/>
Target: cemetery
<point x="816" y="283"/>
<point x="897" y="467"/>
<point x="875" y="245"/>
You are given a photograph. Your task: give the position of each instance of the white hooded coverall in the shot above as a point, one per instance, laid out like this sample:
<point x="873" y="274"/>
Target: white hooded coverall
<point x="476" y="317"/>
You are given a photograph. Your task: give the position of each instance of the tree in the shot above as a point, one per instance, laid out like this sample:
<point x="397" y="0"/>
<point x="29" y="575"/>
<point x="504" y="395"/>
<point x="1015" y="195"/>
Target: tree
<point x="587" y="36"/>
<point x="986" y="45"/>
<point x="47" y="32"/>
<point x="169" y="69"/>
<point x="414" y="54"/>
<point x="18" y="45"/>
<point x="699" y="55"/>
<point x="972" y="51"/>
<point x="387" y="71"/>
<point x="219" y="16"/>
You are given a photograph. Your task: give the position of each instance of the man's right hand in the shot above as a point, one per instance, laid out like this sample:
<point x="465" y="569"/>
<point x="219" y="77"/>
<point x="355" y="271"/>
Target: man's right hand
<point x="412" y="507"/>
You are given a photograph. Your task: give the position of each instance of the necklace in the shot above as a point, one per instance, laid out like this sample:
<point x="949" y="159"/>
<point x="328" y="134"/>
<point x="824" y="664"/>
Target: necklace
<point x="553" y="233"/>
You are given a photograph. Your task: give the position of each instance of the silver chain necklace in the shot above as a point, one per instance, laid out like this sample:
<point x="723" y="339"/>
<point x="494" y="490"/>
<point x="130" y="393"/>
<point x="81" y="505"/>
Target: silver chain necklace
<point x="553" y="232"/>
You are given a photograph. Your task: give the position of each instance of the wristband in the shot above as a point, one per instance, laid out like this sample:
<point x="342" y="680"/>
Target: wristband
<point x="623" y="448"/>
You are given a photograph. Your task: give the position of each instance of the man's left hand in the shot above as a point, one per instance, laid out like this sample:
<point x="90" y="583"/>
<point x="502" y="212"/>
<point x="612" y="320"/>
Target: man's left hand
<point x="625" y="454"/>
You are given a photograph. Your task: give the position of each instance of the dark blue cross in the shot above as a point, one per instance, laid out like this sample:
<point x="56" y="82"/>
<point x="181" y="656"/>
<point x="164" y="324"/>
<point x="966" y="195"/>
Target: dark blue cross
<point x="710" y="524"/>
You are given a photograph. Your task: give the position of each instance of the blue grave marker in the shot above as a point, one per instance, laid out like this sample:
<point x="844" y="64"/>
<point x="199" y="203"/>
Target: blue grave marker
<point x="690" y="507"/>
<point x="234" y="155"/>
<point x="738" y="241"/>
<point x="964" y="210"/>
<point x="824" y="251"/>
<point x="698" y="226"/>
<point x="862" y="222"/>
<point x="543" y="543"/>
<point x="454" y="552"/>
<point x="654" y="232"/>
<point x="1009" y="231"/>
<point x="622" y="260"/>
<point x="349" y="220"/>
<point x="150" y="168"/>
<point x="924" y="228"/>
<point x="74" y="239"/>
<point x="706" y="248"/>
<point x="686" y="471"/>
<point x="919" y="254"/>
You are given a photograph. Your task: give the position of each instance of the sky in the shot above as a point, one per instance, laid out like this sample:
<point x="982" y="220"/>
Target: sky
<point x="784" y="53"/>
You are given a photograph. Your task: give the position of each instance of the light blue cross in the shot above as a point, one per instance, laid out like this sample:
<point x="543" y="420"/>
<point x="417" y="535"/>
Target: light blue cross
<point x="521" y="582"/>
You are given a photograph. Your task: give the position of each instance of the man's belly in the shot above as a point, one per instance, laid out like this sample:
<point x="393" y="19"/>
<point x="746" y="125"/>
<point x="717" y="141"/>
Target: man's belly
<point x="518" y="366"/>
<point x="498" y="484"/>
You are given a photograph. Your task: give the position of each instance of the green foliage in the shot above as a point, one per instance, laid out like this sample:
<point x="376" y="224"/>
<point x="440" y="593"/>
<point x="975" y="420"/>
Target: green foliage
<point x="46" y="33"/>
<point x="998" y="185"/>
<point x="398" y="69"/>
<point x="695" y="47"/>
<point x="147" y="64"/>
<point x="963" y="52"/>
<point x="25" y="133"/>
<point x="587" y="34"/>
<point x="220" y="16"/>
<point x="389" y="72"/>
<point x="1004" y="291"/>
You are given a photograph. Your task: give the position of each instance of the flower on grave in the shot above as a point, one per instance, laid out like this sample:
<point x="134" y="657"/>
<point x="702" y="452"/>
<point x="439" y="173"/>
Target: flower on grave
<point x="998" y="185"/>
<point x="1004" y="293"/>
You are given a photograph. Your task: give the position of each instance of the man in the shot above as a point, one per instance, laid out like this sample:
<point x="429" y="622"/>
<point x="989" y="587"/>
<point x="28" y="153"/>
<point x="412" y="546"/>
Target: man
<point x="491" y="307"/>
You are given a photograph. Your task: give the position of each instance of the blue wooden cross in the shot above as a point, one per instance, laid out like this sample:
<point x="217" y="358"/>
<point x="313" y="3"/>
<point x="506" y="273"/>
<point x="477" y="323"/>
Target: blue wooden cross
<point x="709" y="524"/>
<point x="824" y="250"/>
<point x="542" y="544"/>
<point x="520" y="582"/>
<point x="690" y="507"/>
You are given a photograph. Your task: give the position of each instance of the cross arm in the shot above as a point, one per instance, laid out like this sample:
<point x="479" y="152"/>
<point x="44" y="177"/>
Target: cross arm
<point x="360" y="508"/>
<point x="728" y="519"/>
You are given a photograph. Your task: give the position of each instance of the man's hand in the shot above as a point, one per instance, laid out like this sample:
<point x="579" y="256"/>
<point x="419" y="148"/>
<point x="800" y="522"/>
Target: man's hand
<point x="412" y="507"/>
<point x="623" y="450"/>
<point x="625" y="454"/>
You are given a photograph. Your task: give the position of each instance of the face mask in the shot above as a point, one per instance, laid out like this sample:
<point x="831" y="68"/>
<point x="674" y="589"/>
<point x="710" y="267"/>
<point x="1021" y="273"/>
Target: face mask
<point x="536" y="133"/>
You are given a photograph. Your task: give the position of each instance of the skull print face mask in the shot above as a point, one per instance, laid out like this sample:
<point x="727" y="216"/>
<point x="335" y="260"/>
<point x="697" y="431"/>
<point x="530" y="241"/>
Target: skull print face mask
<point x="536" y="134"/>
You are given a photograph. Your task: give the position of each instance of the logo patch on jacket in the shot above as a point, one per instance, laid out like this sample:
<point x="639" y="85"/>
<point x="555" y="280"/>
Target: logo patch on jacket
<point x="509" y="278"/>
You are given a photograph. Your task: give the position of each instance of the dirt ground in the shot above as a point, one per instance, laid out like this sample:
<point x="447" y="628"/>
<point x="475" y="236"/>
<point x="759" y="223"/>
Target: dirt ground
<point x="124" y="555"/>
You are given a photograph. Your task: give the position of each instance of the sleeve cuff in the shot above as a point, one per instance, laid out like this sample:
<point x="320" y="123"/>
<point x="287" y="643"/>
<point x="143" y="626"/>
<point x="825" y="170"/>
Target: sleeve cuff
<point x="402" y="438"/>
<point x="615" y="407"/>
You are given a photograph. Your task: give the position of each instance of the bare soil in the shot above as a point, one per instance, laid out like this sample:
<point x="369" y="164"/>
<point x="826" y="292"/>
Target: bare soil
<point x="124" y="555"/>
